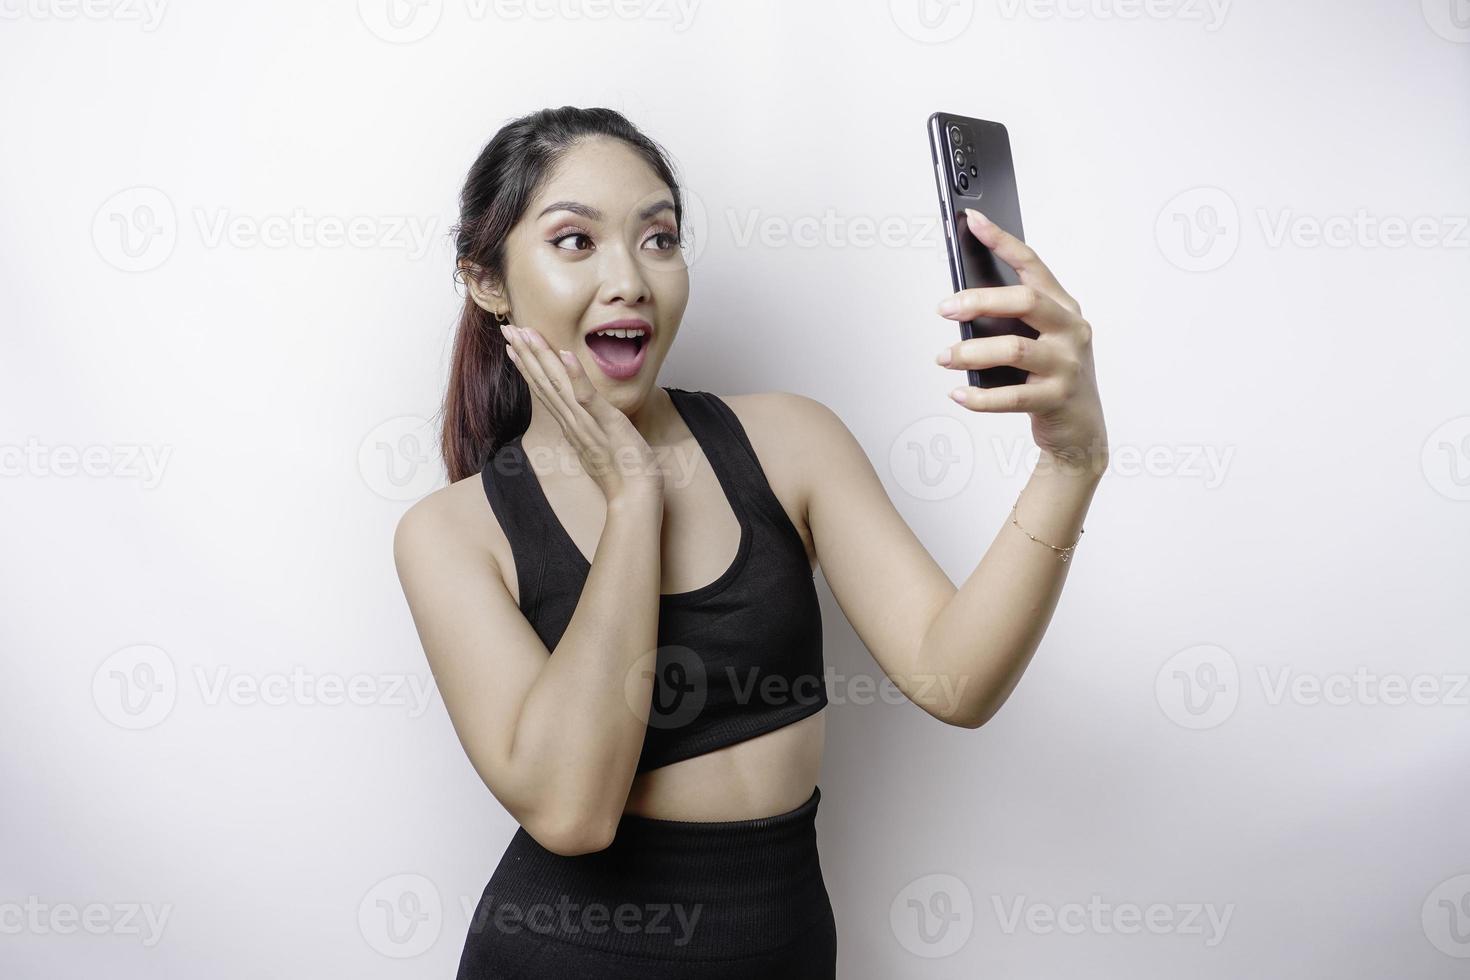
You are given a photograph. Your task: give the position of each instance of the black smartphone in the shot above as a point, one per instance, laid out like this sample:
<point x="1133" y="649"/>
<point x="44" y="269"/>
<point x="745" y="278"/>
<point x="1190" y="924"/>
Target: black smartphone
<point x="973" y="169"/>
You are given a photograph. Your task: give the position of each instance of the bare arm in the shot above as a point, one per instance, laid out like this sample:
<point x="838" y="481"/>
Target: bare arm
<point x="989" y="630"/>
<point x="555" y="738"/>
<point x="956" y="653"/>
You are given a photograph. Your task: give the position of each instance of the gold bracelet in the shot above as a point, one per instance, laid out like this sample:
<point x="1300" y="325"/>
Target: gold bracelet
<point x="1064" y="553"/>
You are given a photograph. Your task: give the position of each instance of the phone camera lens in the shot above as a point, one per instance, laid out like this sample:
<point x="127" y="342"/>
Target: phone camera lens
<point x="973" y="171"/>
<point x="959" y="159"/>
<point x="964" y="182"/>
<point x="954" y="136"/>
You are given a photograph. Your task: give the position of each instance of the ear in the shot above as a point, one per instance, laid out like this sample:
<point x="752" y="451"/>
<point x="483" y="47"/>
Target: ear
<point x="487" y="297"/>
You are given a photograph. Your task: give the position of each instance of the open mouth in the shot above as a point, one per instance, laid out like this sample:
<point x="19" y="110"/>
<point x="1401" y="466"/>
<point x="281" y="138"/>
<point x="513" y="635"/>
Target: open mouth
<point x="619" y="353"/>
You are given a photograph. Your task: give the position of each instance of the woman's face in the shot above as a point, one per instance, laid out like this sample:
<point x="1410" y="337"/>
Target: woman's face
<point x="599" y="244"/>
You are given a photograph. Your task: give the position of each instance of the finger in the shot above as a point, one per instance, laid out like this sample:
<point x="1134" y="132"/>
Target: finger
<point x="1024" y="397"/>
<point x="1019" y="256"/>
<point x="581" y="429"/>
<point x="985" y="352"/>
<point x="552" y="367"/>
<point x="574" y="391"/>
<point x="535" y="375"/>
<point x="1025" y="303"/>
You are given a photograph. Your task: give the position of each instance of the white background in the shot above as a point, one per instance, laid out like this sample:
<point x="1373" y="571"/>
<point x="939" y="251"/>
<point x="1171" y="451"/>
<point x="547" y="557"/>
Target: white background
<point x="1150" y="756"/>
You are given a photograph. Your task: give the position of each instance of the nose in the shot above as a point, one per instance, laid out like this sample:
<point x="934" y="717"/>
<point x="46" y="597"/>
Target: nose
<point x="623" y="278"/>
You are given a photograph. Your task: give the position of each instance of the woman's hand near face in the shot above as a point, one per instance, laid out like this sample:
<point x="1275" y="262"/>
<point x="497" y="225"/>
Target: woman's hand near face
<point x="612" y="449"/>
<point x="1060" y="392"/>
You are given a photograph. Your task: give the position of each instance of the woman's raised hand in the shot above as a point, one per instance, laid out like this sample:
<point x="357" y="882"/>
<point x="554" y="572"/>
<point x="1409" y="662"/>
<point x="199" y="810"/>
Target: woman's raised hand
<point x="613" y="451"/>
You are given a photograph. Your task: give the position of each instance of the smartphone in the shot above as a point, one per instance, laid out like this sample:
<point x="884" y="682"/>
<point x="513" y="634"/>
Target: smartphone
<point x="973" y="169"/>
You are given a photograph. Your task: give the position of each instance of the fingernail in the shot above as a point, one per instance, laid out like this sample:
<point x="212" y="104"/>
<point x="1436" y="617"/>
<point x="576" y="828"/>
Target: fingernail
<point x="949" y="306"/>
<point x="978" y="216"/>
<point x="505" y="331"/>
<point x="944" y="357"/>
<point x="958" y="395"/>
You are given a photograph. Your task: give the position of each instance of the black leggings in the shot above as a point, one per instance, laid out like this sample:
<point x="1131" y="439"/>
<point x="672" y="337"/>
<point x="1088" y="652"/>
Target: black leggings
<point x="724" y="900"/>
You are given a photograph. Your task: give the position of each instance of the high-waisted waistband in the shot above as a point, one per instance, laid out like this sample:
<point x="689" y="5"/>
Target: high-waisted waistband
<point x="668" y="889"/>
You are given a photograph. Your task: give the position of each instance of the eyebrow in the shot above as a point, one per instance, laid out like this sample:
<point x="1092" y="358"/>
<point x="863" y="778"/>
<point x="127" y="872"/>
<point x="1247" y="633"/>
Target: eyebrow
<point x="592" y="214"/>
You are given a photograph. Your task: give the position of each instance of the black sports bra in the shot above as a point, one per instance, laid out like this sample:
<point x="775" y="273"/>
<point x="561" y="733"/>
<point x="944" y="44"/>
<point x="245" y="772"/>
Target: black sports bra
<point x="738" y="657"/>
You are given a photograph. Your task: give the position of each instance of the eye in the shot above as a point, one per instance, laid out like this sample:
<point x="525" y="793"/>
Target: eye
<point x="668" y="240"/>
<point x="556" y="242"/>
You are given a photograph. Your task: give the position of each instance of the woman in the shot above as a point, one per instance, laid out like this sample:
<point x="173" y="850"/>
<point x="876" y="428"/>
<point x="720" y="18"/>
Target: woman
<point x="662" y="764"/>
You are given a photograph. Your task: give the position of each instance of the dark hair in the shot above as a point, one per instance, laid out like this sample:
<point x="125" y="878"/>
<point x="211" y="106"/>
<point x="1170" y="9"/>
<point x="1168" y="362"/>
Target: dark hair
<point x="487" y="402"/>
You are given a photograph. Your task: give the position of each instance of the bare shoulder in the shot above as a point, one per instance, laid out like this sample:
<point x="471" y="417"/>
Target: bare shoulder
<point x="453" y="519"/>
<point x="791" y="425"/>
